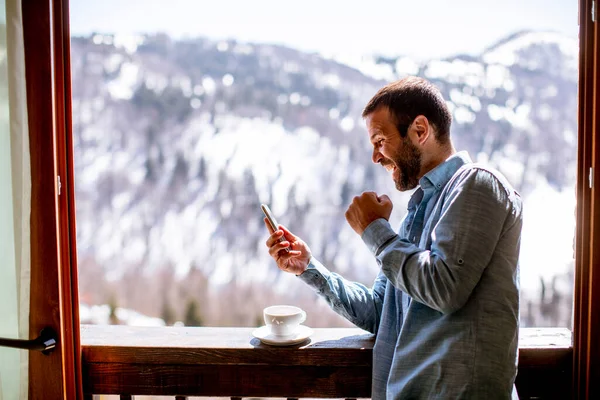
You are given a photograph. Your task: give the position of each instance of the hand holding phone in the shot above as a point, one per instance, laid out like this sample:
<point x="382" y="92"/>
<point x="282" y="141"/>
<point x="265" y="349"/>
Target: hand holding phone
<point x="293" y="261"/>
<point x="273" y="222"/>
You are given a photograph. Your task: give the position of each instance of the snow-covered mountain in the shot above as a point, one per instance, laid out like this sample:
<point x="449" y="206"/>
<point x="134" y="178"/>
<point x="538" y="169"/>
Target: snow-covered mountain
<point x="178" y="142"/>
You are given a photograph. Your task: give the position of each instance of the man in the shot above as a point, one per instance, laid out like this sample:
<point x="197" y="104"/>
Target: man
<point x="445" y="305"/>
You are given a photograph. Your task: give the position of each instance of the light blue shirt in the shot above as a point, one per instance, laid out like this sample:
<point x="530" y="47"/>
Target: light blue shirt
<point x="445" y="305"/>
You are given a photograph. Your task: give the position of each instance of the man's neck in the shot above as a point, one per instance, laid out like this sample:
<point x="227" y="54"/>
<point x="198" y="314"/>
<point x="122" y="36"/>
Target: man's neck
<point x="444" y="153"/>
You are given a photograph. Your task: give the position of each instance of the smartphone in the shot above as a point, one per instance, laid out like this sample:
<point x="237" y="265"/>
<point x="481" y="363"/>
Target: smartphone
<point x="272" y="221"/>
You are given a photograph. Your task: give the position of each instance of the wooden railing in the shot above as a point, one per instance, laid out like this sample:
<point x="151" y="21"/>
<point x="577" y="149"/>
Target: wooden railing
<point x="229" y="362"/>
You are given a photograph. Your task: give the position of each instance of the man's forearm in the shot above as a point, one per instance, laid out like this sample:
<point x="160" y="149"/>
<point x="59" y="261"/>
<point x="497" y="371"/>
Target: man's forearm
<point x="354" y="301"/>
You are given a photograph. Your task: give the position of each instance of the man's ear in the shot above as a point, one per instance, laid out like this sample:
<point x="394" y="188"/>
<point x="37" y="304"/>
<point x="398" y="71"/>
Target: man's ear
<point x="421" y="129"/>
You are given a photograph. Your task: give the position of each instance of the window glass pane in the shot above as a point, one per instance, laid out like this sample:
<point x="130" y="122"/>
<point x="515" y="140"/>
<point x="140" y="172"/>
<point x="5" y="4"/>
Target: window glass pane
<point x="187" y="118"/>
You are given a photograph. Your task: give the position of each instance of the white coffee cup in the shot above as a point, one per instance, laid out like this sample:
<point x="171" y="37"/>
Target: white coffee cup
<point x="283" y="320"/>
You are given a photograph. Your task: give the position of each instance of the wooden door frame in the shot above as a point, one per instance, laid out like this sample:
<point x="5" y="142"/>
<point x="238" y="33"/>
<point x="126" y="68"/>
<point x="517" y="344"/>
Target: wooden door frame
<point x="586" y="316"/>
<point x="54" y="297"/>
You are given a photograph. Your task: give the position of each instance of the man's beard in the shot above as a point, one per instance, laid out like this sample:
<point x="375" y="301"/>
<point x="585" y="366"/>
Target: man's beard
<point x="408" y="164"/>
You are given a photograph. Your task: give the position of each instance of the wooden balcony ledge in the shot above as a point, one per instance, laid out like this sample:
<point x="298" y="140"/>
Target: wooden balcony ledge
<point x="229" y="362"/>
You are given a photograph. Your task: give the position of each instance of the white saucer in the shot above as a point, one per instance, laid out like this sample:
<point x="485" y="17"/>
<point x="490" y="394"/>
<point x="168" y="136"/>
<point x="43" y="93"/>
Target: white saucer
<point x="264" y="335"/>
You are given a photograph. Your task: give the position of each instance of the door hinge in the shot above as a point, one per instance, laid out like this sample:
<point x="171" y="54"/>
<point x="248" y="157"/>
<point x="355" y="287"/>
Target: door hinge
<point x="591" y="177"/>
<point x="59" y="184"/>
<point x="594" y="11"/>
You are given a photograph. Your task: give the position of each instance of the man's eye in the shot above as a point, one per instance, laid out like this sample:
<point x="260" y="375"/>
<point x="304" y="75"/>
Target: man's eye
<point x="379" y="142"/>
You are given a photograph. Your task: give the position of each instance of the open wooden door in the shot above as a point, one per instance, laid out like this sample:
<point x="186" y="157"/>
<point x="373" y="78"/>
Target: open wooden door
<point x="54" y="293"/>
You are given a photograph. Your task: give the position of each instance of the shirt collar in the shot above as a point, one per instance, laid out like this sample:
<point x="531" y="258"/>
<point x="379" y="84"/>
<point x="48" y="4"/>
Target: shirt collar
<point x="440" y="175"/>
<point x="437" y="178"/>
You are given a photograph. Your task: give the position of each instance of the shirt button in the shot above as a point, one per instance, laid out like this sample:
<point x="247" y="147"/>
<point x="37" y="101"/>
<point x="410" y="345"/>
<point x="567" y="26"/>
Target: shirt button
<point x="460" y="261"/>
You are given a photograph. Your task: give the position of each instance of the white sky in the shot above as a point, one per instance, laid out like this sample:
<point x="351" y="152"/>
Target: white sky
<point x="421" y="29"/>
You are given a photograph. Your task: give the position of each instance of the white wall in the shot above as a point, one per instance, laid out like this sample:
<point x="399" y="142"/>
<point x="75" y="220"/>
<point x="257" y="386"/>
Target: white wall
<point x="9" y="358"/>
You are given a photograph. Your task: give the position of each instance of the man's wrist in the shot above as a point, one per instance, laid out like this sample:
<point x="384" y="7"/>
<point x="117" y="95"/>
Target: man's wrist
<point x="376" y="234"/>
<point x="306" y="267"/>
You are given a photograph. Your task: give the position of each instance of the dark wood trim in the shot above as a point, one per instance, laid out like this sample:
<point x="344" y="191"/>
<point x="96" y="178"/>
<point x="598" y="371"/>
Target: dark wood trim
<point x="593" y="305"/>
<point x="66" y="201"/>
<point x="224" y="362"/>
<point x="45" y="371"/>
<point x="220" y="346"/>
<point x="229" y="362"/>
<point x="232" y="380"/>
<point x="53" y="298"/>
<point x="545" y="373"/>
<point x="586" y="322"/>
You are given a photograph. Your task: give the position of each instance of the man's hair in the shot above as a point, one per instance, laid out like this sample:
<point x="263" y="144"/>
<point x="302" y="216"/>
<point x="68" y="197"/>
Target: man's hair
<point x="410" y="97"/>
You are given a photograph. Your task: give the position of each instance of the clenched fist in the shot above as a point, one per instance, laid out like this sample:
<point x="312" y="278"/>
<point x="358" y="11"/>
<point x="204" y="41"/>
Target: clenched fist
<point x="366" y="208"/>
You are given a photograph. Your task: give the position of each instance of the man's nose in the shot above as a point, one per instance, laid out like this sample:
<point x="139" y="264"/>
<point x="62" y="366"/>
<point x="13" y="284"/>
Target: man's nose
<point x="377" y="156"/>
